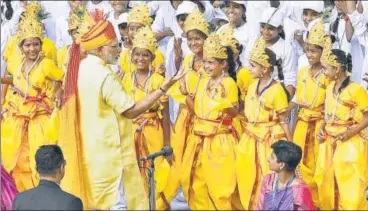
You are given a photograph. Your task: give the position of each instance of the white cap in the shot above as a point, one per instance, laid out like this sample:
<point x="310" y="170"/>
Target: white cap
<point x="273" y="16"/>
<point x="219" y="15"/>
<point x="241" y="2"/>
<point x="123" y="18"/>
<point x="186" y="7"/>
<point x="317" y="6"/>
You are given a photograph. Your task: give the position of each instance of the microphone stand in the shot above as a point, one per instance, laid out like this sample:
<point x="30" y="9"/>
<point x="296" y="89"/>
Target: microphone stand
<point x="152" y="186"/>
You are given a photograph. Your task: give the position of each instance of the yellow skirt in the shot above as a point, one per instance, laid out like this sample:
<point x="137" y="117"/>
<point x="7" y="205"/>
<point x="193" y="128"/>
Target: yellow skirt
<point x="178" y="142"/>
<point x="149" y="139"/>
<point x="208" y="175"/>
<point x="305" y="136"/>
<point x="252" y="153"/>
<point x="341" y="174"/>
<point x="20" y="139"/>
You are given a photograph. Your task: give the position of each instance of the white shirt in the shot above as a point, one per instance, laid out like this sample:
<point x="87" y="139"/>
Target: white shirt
<point x="103" y="5"/>
<point x="165" y="18"/>
<point x="246" y="38"/>
<point x="361" y="32"/>
<point x="62" y="35"/>
<point x="284" y="51"/>
<point x="56" y="10"/>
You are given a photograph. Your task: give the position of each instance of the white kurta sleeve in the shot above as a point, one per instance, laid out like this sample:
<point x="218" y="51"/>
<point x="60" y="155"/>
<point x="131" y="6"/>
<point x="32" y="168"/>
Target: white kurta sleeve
<point x="289" y="65"/>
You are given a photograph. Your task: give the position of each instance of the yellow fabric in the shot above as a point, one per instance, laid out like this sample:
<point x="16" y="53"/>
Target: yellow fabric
<point x="108" y="154"/>
<point x="244" y="79"/>
<point x="63" y="58"/>
<point x="347" y="163"/>
<point x="29" y="120"/>
<point x="158" y="64"/>
<point x="12" y="50"/>
<point x="210" y="151"/>
<point x="309" y="122"/>
<point x="254" y="148"/>
<point x="151" y="133"/>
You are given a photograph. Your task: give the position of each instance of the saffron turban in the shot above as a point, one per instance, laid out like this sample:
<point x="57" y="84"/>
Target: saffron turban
<point x="99" y="34"/>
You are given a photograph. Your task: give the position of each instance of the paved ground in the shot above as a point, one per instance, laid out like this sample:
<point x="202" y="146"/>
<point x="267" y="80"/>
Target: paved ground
<point x="179" y="202"/>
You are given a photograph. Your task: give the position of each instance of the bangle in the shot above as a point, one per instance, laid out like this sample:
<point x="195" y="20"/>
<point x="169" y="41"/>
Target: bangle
<point x="162" y="90"/>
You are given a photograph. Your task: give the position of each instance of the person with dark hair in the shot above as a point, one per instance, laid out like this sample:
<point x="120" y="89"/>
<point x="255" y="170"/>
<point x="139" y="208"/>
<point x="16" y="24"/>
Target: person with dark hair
<point x="210" y="146"/>
<point x="236" y="12"/>
<point x="29" y="103"/>
<point x="309" y="100"/>
<point x="271" y="29"/>
<point x="342" y="158"/>
<point x="50" y="165"/>
<point x="265" y="109"/>
<point x="283" y="190"/>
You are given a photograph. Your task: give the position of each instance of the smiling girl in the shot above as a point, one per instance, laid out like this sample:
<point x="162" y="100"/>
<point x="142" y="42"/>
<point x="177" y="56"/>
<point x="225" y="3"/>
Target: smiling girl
<point x="342" y="158"/>
<point x="210" y="146"/>
<point x="266" y="121"/>
<point x="152" y="129"/>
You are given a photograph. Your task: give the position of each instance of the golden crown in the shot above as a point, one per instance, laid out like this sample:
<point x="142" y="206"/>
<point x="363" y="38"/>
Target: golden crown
<point x="258" y="53"/>
<point x="29" y="27"/>
<point x="316" y="34"/>
<point x="196" y="20"/>
<point x="145" y="38"/>
<point x="35" y="9"/>
<point x="212" y="47"/>
<point x="76" y="17"/>
<point x="228" y="39"/>
<point x="140" y="14"/>
<point x="327" y="56"/>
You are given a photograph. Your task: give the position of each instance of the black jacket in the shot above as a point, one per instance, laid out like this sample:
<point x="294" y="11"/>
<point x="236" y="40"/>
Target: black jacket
<point x="46" y="196"/>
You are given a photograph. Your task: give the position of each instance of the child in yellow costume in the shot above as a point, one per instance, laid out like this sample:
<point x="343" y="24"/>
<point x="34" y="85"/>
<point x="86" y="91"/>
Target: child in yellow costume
<point x="29" y="105"/>
<point x="310" y="98"/>
<point x="12" y="50"/>
<point x="342" y="167"/>
<point x="265" y="109"/>
<point x="139" y="17"/>
<point x="197" y="30"/>
<point x="210" y="146"/>
<point x="152" y="129"/>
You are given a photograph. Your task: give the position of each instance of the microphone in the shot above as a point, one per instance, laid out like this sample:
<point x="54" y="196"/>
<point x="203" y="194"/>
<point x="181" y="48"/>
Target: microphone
<point x="166" y="151"/>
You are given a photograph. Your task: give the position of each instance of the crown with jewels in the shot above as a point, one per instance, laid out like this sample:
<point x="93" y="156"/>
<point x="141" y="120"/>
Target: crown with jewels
<point x="327" y="56"/>
<point x="29" y="27"/>
<point x="35" y="9"/>
<point x="316" y="35"/>
<point x="196" y="20"/>
<point x="258" y="53"/>
<point x="228" y="39"/>
<point x="76" y="17"/>
<point x="145" y="38"/>
<point x="213" y="48"/>
<point x="140" y="14"/>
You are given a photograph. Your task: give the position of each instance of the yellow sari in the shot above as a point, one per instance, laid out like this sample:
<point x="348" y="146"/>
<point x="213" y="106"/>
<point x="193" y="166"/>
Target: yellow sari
<point x="158" y="64"/>
<point x="342" y="168"/>
<point x="261" y="130"/>
<point x="24" y="126"/>
<point x="148" y="134"/>
<point x="208" y="174"/>
<point x="310" y="96"/>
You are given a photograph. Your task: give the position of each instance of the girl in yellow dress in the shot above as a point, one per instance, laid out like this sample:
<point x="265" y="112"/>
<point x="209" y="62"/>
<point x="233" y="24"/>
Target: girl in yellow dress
<point x="342" y="167"/>
<point x="139" y="17"/>
<point x="208" y="174"/>
<point x="197" y="30"/>
<point x="310" y="98"/>
<point x="29" y="105"/>
<point x="265" y="108"/>
<point x="151" y="129"/>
